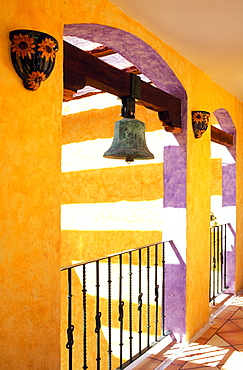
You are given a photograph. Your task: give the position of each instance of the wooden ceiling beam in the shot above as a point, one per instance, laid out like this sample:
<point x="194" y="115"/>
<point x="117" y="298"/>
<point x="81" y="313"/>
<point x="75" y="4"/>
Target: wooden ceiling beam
<point x="79" y="64"/>
<point x="101" y="51"/>
<point x="221" y="137"/>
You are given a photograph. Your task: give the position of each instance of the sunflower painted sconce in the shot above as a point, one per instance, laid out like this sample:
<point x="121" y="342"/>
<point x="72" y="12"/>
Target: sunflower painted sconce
<point x="200" y="120"/>
<point x="33" y="55"/>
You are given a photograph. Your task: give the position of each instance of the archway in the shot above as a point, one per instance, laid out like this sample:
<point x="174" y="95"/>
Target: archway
<point x="153" y="66"/>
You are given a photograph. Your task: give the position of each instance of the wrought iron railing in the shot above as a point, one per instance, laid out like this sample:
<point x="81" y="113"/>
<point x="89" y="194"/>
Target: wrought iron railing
<point x="116" y="308"/>
<point x="218" y="261"/>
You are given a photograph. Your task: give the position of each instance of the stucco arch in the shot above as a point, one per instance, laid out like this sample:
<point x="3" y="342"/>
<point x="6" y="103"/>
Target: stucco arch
<point x="135" y="50"/>
<point x="153" y="66"/>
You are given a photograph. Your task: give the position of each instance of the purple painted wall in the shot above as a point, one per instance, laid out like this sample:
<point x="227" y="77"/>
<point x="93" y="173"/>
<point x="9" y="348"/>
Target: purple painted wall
<point x="175" y="282"/>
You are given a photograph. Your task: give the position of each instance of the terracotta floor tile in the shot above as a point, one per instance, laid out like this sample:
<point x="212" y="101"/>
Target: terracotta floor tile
<point x="238" y="322"/>
<point x="218" y="323"/>
<point x="179" y="362"/>
<point x="172" y="367"/>
<point x="208" y="334"/>
<point x="234" y="362"/>
<point x="239" y="348"/>
<point x="237" y="315"/>
<point x="212" y="310"/>
<point x="162" y="354"/>
<point x="229" y="326"/>
<point x="148" y="364"/>
<point x="239" y="300"/>
<point x="206" y="368"/>
<point x="231" y="307"/>
<point x="231" y="367"/>
<point x="225" y="315"/>
<point x="159" y="357"/>
<point x="227" y="356"/>
<point x="172" y="351"/>
<point x="201" y="341"/>
<point x="233" y="338"/>
<point x="191" y="365"/>
<point x="210" y="356"/>
<point x="217" y="341"/>
<point x="219" y="348"/>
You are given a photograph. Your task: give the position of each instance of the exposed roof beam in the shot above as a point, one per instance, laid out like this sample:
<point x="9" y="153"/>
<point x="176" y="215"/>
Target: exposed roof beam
<point x="221" y="137"/>
<point x="107" y="78"/>
<point x="101" y="51"/>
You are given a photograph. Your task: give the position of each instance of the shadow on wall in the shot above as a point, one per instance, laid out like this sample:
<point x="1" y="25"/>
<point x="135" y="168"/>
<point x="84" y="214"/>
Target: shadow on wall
<point x="175" y="301"/>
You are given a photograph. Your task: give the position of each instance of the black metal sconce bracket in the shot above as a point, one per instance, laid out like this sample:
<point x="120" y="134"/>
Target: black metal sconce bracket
<point x="128" y="102"/>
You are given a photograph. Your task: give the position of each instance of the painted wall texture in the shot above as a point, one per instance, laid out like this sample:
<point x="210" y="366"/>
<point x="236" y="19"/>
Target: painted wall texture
<point x="31" y="183"/>
<point x="30" y="201"/>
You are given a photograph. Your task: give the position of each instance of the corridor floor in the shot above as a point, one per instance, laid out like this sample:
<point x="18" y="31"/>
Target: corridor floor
<point x="220" y="347"/>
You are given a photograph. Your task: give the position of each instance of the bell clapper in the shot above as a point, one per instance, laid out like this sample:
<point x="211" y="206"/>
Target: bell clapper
<point x="129" y="159"/>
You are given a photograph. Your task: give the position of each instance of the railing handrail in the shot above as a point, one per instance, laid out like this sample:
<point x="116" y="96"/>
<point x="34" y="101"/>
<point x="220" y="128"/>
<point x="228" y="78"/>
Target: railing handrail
<point x="112" y="255"/>
<point x="226" y="223"/>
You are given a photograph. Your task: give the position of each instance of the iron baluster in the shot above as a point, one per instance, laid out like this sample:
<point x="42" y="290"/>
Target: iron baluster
<point x="70" y="328"/>
<point x="156" y="293"/>
<point x="121" y="311"/>
<point x="217" y="250"/>
<point x="214" y="265"/>
<point x="130" y="305"/>
<point x="84" y="320"/>
<point x="221" y="257"/>
<point x="140" y="303"/>
<point x="163" y="288"/>
<point x="109" y="315"/>
<point x="210" y="267"/>
<point x="225" y="254"/>
<point x="98" y="316"/>
<point x="148" y="297"/>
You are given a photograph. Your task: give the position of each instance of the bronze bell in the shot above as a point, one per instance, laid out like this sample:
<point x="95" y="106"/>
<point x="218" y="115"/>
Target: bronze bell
<point x="129" y="141"/>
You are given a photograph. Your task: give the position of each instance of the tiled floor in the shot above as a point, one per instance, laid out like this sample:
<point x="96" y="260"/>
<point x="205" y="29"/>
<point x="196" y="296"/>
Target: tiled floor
<point x="220" y="347"/>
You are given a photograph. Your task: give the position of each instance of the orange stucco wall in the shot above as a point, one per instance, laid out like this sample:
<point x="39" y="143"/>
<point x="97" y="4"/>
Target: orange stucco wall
<point x="121" y="182"/>
<point x="31" y="183"/>
<point x="30" y="201"/>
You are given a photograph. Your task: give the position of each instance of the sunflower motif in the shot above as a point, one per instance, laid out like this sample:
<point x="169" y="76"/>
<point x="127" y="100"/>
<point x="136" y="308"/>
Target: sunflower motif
<point x="47" y="48"/>
<point x="23" y="45"/>
<point x="198" y="117"/>
<point x="34" y="80"/>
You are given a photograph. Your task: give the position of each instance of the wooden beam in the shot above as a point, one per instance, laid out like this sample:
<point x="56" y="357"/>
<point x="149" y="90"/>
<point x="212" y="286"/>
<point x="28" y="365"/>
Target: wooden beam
<point x="221" y="137"/>
<point x="114" y="81"/>
<point x="73" y="81"/>
<point x="101" y="51"/>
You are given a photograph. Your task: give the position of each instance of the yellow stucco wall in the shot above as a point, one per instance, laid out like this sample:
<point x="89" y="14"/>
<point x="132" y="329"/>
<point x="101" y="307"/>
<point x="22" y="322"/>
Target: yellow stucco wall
<point x="198" y="203"/>
<point x="30" y="183"/>
<point x="129" y="184"/>
<point x="30" y="200"/>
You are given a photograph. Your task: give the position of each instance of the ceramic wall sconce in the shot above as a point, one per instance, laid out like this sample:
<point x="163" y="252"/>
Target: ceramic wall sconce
<point x="200" y="120"/>
<point x="33" y="55"/>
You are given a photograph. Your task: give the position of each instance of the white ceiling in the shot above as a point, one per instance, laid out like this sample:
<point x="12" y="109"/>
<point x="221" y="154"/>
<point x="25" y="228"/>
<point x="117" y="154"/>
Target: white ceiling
<point x="207" y="32"/>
